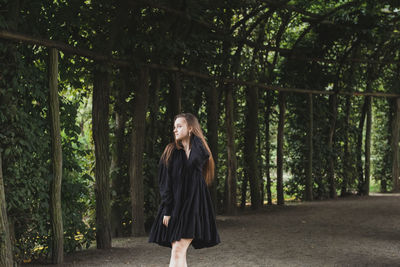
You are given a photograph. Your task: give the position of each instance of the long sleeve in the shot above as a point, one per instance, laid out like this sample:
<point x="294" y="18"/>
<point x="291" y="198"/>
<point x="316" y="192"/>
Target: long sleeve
<point x="166" y="192"/>
<point x="202" y="153"/>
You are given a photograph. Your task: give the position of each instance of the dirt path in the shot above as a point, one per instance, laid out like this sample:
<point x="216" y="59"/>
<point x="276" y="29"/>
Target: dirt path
<point x="347" y="232"/>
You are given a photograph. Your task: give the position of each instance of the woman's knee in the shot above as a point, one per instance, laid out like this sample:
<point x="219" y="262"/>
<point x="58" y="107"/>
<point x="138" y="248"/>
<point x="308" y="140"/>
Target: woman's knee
<point x="179" y="247"/>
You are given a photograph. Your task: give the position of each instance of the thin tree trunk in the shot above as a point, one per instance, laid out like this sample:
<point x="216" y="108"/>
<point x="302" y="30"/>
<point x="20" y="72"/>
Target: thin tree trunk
<point x="268" y="102"/>
<point x="371" y="76"/>
<point x="368" y="146"/>
<point x="230" y="182"/>
<point x="346" y="163"/>
<point x="250" y="135"/>
<point x="279" y="167"/>
<point x="389" y="154"/>
<point x="243" y="190"/>
<point x="100" y="112"/>
<point x="136" y="160"/>
<point x="309" y="178"/>
<point x="120" y="182"/>
<point x="6" y="257"/>
<point x="359" y="148"/>
<point x="260" y="169"/>
<point x="212" y="127"/>
<point x="56" y="162"/>
<point x="395" y="145"/>
<point x="331" y="168"/>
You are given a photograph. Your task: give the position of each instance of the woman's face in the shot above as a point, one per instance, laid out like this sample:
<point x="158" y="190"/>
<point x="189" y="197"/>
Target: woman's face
<point x="181" y="130"/>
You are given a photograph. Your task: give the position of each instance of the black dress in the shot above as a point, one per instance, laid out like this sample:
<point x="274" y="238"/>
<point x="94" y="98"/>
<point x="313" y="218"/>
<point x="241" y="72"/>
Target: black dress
<point x="186" y="198"/>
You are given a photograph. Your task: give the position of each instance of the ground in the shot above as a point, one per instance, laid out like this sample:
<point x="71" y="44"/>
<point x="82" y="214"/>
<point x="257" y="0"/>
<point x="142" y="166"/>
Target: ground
<point x="353" y="231"/>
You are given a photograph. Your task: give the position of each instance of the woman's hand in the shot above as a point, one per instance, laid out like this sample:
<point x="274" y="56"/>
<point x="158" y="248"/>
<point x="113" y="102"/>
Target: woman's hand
<point x="166" y="220"/>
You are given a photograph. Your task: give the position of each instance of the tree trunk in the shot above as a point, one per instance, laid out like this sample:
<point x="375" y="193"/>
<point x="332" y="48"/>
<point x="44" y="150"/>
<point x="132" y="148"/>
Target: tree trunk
<point x="368" y="146"/>
<point x="6" y="257"/>
<point x="260" y="169"/>
<point x="371" y="76"/>
<point x="136" y="159"/>
<point x="395" y="145"/>
<point x="308" y="196"/>
<point x="346" y="160"/>
<point x="212" y="127"/>
<point x="389" y="154"/>
<point x="359" y="148"/>
<point x="56" y="162"/>
<point x="119" y="179"/>
<point x="230" y="182"/>
<point x="279" y="167"/>
<point x="331" y="168"/>
<point x="250" y="135"/>
<point x="100" y="112"/>
<point x="268" y="103"/>
<point x="243" y="190"/>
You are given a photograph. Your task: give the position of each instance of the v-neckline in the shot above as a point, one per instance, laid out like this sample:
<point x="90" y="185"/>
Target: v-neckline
<point x="187" y="157"/>
<point x="191" y="147"/>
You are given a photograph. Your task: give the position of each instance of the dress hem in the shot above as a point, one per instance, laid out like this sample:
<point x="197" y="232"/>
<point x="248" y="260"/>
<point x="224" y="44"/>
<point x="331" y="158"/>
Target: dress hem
<point x="196" y="243"/>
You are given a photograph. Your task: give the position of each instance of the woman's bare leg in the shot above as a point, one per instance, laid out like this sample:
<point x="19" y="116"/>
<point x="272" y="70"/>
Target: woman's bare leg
<point x="178" y="252"/>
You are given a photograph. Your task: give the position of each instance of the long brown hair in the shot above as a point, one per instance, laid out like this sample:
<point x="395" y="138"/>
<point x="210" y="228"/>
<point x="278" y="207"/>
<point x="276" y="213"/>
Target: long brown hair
<point x="192" y="121"/>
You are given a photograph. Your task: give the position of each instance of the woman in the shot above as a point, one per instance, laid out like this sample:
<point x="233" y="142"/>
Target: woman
<point x="186" y="214"/>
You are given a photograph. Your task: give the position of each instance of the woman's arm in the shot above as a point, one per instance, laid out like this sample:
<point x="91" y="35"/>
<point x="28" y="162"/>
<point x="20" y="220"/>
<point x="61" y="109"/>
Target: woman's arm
<point x="202" y="153"/>
<point x="165" y="184"/>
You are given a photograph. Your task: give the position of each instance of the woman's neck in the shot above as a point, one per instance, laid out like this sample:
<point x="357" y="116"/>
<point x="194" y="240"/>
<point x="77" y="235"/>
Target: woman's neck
<point x="186" y="143"/>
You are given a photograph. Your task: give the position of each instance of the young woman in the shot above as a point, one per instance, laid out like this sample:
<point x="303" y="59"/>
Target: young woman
<point x="186" y="214"/>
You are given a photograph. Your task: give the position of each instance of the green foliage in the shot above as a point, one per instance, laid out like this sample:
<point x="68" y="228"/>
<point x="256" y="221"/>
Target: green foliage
<point x="77" y="198"/>
<point x="321" y="43"/>
<point x="25" y="140"/>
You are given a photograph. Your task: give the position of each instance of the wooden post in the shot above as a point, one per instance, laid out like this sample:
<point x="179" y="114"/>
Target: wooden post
<point x="56" y="161"/>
